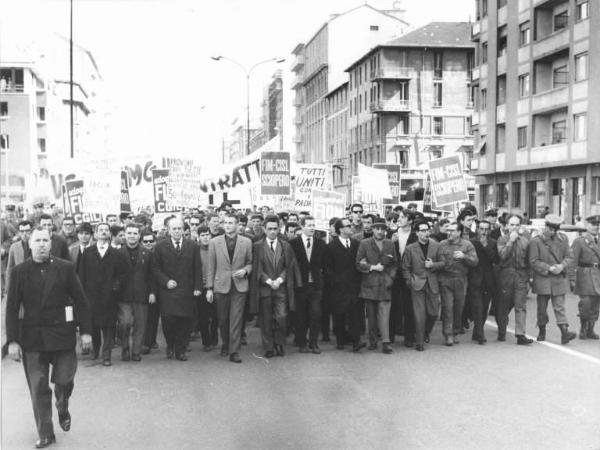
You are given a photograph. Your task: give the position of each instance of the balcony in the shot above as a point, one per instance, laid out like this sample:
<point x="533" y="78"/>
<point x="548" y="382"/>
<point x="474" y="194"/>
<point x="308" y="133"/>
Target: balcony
<point x="297" y="82"/>
<point x="298" y="63"/>
<point x="551" y="43"/>
<point x="476" y="73"/>
<point x="501" y="114"/>
<point x="297" y="101"/>
<point x="298" y="139"/>
<point x="475" y="30"/>
<point x="550" y="99"/>
<point x="392" y="105"/>
<point x="298" y="120"/>
<point x="392" y="73"/>
<point x="548" y="154"/>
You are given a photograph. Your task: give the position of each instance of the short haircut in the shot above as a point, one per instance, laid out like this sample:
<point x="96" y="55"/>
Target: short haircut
<point x="111" y="215"/>
<point x="147" y="233"/>
<point x="132" y="225"/>
<point x="232" y="216"/>
<point x="257" y="216"/>
<point x="210" y="216"/>
<point x="484" y="221"/>
<point x="391" y="217"/>
<point x="333" y="220"/>
<point x="305" y="219"/>
<point x="398" y="208"/>
<point x="186" y="226"/>
<point x="410" y="216"/>
<point x="355" y="205"/>
<point x="243" y="218"/>
<point x="292" y="214"/>
<point x="45" y="217"/>
<point x="271" y="218"/>
<point x="514" y="215"/>
<point x="24" y="223"/>
<point x="420" y="222"/>
<point x="98" y="225"/>
<point x="203" y="229"/>
<point x="443" y="221"/>
<point x="339" y="224"/>
<point x="369" y="216"/>
<point x="291" y="225"/>
<point x="168" y="219"/>
<point x="71" y="218"/>
<point x="115" y="230"/>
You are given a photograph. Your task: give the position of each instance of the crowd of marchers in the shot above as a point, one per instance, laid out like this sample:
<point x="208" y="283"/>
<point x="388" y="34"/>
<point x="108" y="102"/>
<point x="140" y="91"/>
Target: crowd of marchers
<point x="207" y="275"/>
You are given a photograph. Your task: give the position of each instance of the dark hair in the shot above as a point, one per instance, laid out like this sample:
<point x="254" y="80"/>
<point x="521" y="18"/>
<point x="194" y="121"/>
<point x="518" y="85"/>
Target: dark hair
<point x="115" y="230"/>
<point x="304" y="219"/>
<point x="292" y="214"/>
<point x="45" y="217"/>
<point x="408" y="214"/>
<point x="484" y="221"/>
<point x="132" y="225"/>
<point x="24" y="223"/>
<point x="242" y="218"/>
<point x="232" y="216"/>
<point x="356" y="204"/>
<point x="333" y="220"/>
<point x="71" y="218"/>
<point x="168" y="219"/>
<point x="257" y="216"/>
<point x="392" y="217"/>
<point x="271" y="218"/>
<point x="304" y="213"/>
<point x="147" y="233"/>
<point x="186" y="226"/>
<point x="466" y="212"/>
<point x="398" y="208"/>
<point x="291" y="225"/>
<point x="203" y="229"/>
<point x="443" y="221"/>
<point x="339" y="224"/>
<point x="420" y="222"/>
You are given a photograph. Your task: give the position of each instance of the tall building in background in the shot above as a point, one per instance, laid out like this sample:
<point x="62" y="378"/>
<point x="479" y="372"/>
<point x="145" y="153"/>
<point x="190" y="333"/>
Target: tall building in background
<point x="536" y="145"/>
<point x="319" y="66"/>
<point x="35" y="116"/>
<point x="410" y="100"/>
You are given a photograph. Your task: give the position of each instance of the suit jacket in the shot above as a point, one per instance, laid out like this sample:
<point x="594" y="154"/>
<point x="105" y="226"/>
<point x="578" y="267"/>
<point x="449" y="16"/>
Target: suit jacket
<point x="44" y="326"/>
<point x="413" y="266"/>
<point x="183" y="267"/>
<point x="59" y="247"/>
<point x="139" y="280"/>
<point x="266" y="266"/>
<point x="483" y="274"/>
<point x="316" y="265"/>
<point x="586" y="252"/>
<point x="543" y="253"/>
<point x="102" y="280"/>
<point x="376" y="285"/>
<point x="75" y="253"/>
<point x="343" y="278"/>
<point x="16" y="255"/>
<point x="221" y="268"/>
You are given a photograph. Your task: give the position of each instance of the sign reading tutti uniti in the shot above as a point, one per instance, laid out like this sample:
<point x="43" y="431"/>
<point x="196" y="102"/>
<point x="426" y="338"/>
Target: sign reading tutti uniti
<point x="448" y="183"/>
<point x="275" y="176"/>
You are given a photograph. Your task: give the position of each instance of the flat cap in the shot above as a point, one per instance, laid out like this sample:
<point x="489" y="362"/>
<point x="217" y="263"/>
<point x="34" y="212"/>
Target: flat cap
<point x="553" y="220"/>
<point x="85" y="227"/>
<point x="594" y="220"/>
<point x="379" y="222"/>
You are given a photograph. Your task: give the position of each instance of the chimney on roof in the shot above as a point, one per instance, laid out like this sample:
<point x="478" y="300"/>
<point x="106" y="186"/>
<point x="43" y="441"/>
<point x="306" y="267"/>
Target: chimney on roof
<point x="396" y="10"/>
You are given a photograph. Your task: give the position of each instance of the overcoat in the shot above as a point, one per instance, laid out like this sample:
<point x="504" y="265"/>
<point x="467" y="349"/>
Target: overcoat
<point x="413" y="266"/>
<point x="342" y="275"/>
<point x="544" y="252"/>
<point x="586" y="253"/>
<point x="376" y="285"/>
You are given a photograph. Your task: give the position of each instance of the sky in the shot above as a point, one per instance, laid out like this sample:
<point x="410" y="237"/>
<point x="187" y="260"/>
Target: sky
<point x="166" y="95"/>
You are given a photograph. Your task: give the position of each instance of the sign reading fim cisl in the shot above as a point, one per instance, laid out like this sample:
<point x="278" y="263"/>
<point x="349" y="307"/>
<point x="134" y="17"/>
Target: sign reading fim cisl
<point x="275" y="176"/>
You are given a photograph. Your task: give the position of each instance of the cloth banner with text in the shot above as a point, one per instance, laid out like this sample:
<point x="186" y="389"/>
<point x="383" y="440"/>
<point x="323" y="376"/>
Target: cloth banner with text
<point x="325" y="205"/>
<point x="448" y="183"/>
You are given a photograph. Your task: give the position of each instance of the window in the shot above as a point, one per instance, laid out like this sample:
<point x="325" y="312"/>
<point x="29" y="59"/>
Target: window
<point x="437" y="65"/>
<point x="437" y="94"/>
<point x="501" y="90"/>
<point x="438" y="126"/>
<point x="516" y="194"/>
<point x="471" y="92"/>
<point x="484" y="8"/>
<point x="580" y="127"/>
<point x="560" y="76"/>
<point x="483" y="99"/>
<point x="4" y="142"/>
<point x="581" y="66"/>
<point x="582" y="9"/>
<point x="470" y="64"/>
<point x="41" y="145"/>
<point x="500" y="138"/>
<point x="524" y="34"/>
<point x="521" y="137"/>
<point x="596" y="190"/>
<point x="403" y="92"/>
<point x="3" y="109"/>
<point x="561" y="20"/>
<point x="501" y="3"/>
<point x="484" y="51"/>
<point x="374" y="27"/>
<point x="524" y="85"/>
<point x="501" y="195"/>
<point x="559" y="131"/>
<point x="502" y="40"/>
<point x="41" y="113"/>
<point x="469" y="126"/>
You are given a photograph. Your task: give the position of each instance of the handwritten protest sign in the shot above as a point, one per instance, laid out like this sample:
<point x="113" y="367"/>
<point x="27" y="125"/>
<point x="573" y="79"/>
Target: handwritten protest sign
<point x="309" y="177"/>
<point x="275" y="176"/>
<point x="447" y="181"/>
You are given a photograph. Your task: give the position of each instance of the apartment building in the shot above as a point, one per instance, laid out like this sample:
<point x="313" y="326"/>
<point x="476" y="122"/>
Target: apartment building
<point x="411" y="99"/>
<point x="537" y="61"/>
<point x="319" y="66"/>
<point x="337" y="137"/>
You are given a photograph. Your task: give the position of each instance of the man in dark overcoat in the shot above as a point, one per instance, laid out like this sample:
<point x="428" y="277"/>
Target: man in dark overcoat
<point x="49" y="293"/>
<point x="178" y="276"/>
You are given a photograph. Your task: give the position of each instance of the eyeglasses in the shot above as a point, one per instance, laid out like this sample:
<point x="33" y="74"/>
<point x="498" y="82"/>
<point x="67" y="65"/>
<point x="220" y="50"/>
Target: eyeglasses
<point x="424" y="229"/>
<point x="484" y="229"/>
<point x="346" y="226"/>
<point x="357" y="212"/>
<point x="146" y="241"/>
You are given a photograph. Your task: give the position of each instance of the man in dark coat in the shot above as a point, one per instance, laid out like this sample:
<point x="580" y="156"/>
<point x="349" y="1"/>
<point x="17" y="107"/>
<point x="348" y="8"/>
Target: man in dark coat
<point x="274" y="275"/>
<point x="59" y="247"/>
<point x="102" y="271"/>
<point x="53" y="303"/>
<point x="178" y="276"/>
<point x="310" y="254"/>
<point x="138" y="292"/>
<point x="344" y="283"/>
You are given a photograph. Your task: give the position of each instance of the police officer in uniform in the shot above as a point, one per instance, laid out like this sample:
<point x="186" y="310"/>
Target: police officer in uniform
<point x="586" y="259"/>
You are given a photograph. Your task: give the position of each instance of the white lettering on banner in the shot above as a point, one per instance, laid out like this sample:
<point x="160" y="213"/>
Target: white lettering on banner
<point x="448" y="185"/>
<point x="325" y="205"/>
<point x="275" y="180"/>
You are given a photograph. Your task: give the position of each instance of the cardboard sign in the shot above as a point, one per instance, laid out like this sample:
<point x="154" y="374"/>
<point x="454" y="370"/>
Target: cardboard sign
<point x="326" y="205"/>
<point x="309" y="177"/>
<point x="74" y="195"/>
<point x="275" y="177"/>
<point x="393" y="172"/>
<point x="184" y="183"/>
<point x="125" y="203"/>
<point x="160" y="180"/>
<point x="448" y="184"/>
<point x="102" y="181"/>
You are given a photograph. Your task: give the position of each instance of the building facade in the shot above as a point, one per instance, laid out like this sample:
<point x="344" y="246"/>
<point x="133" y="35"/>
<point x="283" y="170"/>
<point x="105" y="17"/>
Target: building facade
<point x="319" y="66"/>
<point x="337" y="137"/>
<point x="411" y="100"/>
<point x="537" y="61"/>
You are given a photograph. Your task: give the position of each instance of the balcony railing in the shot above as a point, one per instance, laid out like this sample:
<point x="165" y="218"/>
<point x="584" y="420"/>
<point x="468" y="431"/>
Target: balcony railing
<point x="390" y="106"/>
<point x="475" y="29"/>
<point x="391" y="73"/>
<point x="12" y="88"/>
<point x="297" y="63"/>
<point x="550" y="98"/>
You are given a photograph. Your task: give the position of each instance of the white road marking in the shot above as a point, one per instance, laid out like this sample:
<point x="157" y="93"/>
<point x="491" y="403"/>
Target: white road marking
<point x="561" y="348"/>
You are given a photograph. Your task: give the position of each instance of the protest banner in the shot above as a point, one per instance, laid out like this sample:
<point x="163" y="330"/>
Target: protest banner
<point x="374" y="182"/>
<point x="74" y="195"/>
<point x="275" y="178"/>
<point x="160" y="179"/>
<point x="184" y="183"/>
<point x="125" y="204"/>
<point x="307" y="178"/>
<point x="393" y="172"/>
<point x="102" y="182"/>
<point x="139" y="181"/>
<point x="325" y="205"/>
<point x="448" y="184"/>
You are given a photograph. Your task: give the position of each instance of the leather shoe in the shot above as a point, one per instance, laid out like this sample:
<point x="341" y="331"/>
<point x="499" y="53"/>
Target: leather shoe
<point x="224" y="351"/>
<point x="303" y="349"/>
<point x="206" y="348"/>
<point x="234" y="357"/>
<point x="154" y="346"/>
<point x="419" y="348"/>
<point x="501" y="337"/>
<point x="136" y="357"/>
<point x="387" y="348"/>
<point x="372" y="346"/>
<point x="145" y="350"/>
<point x="449" y="342"/>
<point x="455" y="340"/>
<point x="408" y="344"/>
<point x="269" y="354"/>
<point x="356" y="347"/>
<point x="523" y="340"/>
<point x="181" y="357"/>
<point x="481" y="341"/>
<point x="315" y="349"/>
<point x="279" y="350"/>
<point x="125" y="356"/>
<point x="106" y="363"/>
<point x="45" y="442"/>
<point x="64" y="420"/>
<point x="427" y="339"/>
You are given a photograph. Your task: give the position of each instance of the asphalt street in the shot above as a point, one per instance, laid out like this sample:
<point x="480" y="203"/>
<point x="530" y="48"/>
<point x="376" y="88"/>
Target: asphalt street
<point x="497" y="396"/>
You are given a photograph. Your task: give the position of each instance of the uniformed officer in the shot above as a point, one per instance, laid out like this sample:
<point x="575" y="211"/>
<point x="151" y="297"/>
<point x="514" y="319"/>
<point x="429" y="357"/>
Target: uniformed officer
<point x="549" y="258"/>
<point x="586" y="259"/>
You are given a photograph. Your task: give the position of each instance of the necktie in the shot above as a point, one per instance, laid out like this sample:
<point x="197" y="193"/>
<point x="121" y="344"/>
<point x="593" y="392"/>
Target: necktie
<point x="177" y="246"/>
<point x="272" y="247"/>
<point x="307" y="242"/>
<point x="596" y="240"/>
<point x="347" y="243"/>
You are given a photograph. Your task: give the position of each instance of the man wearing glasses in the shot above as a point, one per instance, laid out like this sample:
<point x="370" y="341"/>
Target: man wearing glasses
<point x="549" y="257"/>
<point x="148" y="241"/>
<point x="19" y="251"/>
<point x="356" y="212"/>
<point x="68" y="230"/>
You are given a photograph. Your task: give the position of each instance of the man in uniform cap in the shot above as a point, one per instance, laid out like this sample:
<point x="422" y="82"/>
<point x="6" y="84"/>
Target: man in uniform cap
<point x="586" y="259"/>
<point x="549" y="258"/>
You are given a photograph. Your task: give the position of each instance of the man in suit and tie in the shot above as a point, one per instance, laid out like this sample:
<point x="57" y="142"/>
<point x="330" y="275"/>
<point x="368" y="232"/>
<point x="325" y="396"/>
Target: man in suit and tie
<point x="53" y="303"/>
<point x="420" y="263"/>
<point x="138" y="292"/>
<point x="19" y="251"/>
<point x="273" y="280"/>
<point x="68" y="231"/>
<point x="310" y="255"/>
<point x="59" y="247"/>
<point x="376" y="259"/>
<point x="178" y="276"/>
<point x="344" y="283"/>
<point x="102" y="271"/>
<point x="84" y="240"/>
<point x="229" y="266"/>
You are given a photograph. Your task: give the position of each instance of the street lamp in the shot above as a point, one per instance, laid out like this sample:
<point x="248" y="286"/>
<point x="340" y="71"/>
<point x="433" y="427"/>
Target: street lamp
<point x="247" y="72"/>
